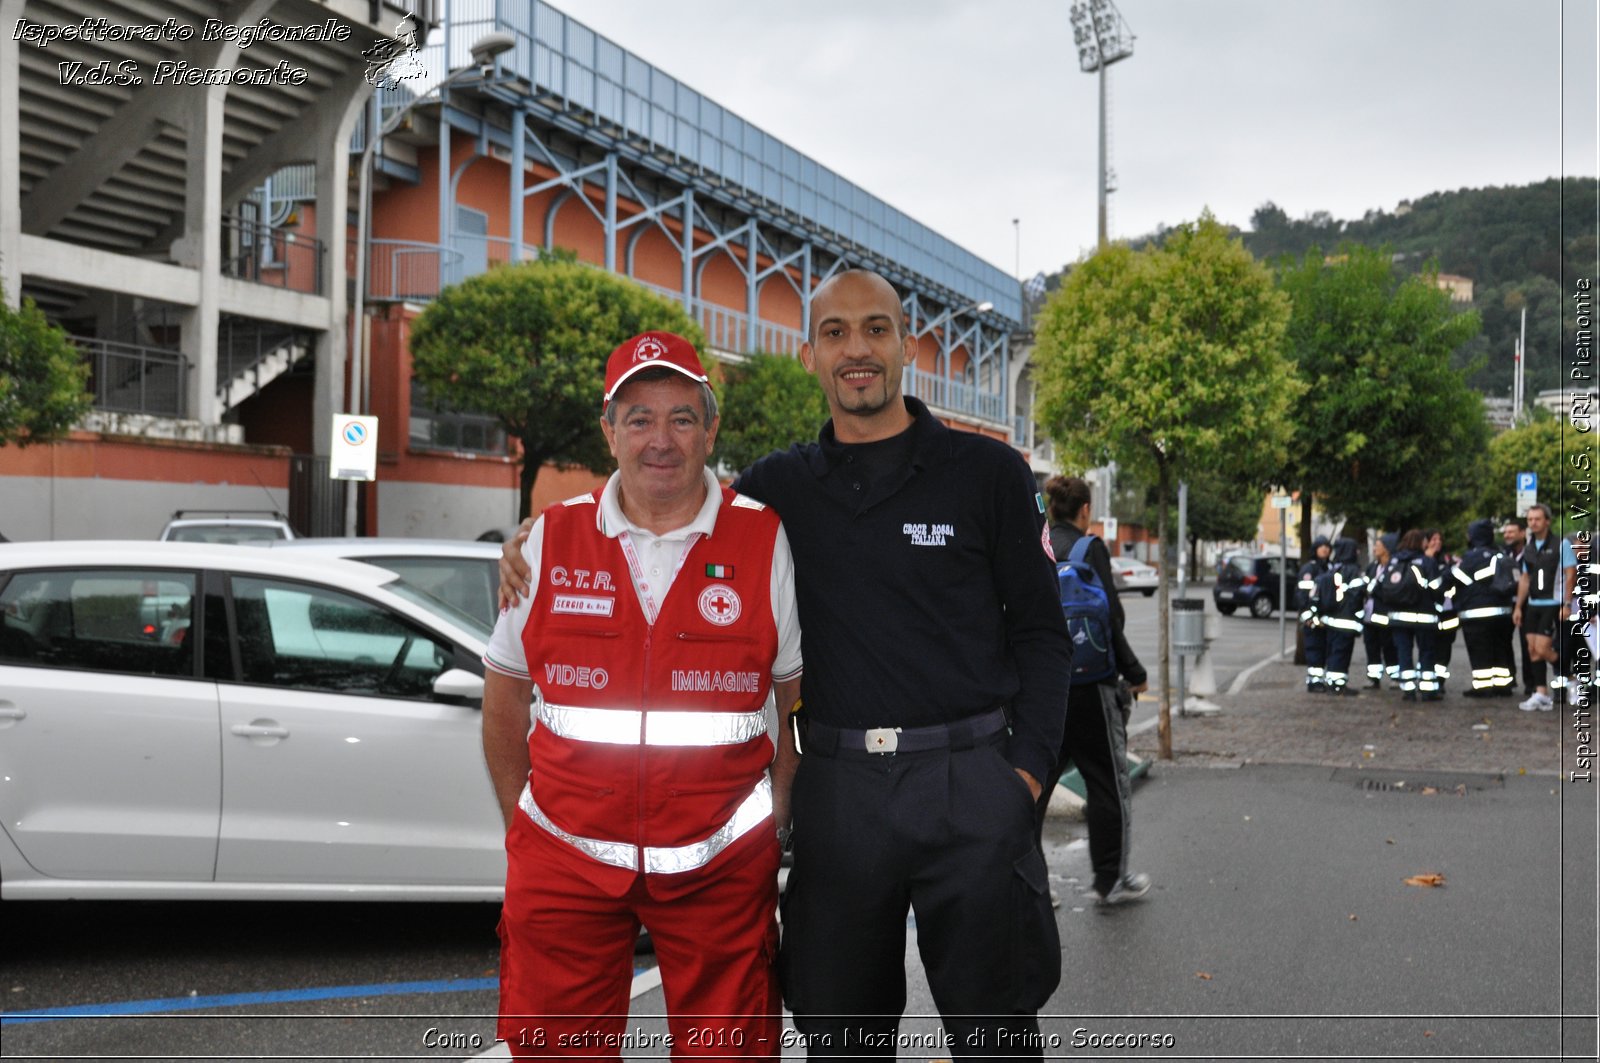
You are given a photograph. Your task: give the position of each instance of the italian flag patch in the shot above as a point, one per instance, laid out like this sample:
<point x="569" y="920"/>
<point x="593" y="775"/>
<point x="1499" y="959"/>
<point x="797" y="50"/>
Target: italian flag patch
<point x="719" y="571"/>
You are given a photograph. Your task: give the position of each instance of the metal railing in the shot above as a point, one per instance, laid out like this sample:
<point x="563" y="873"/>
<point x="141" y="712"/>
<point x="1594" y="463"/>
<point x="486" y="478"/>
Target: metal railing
<point x="246" y="350"/>
<point x="262" y="254"/>
<point x="407" y="271"/>
<point x="128" y="378"/>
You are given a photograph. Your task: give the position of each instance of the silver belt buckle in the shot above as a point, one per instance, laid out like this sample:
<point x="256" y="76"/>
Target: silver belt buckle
<point x="883" y="739"/>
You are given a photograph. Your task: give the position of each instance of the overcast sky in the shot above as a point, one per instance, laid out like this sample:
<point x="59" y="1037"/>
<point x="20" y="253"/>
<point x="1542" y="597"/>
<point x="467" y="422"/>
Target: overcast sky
<point x="967" y="114"/>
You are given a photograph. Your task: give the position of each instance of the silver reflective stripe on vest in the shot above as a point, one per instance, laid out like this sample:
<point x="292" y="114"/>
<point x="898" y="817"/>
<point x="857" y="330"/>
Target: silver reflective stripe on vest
<point x="1415" y="618"/>
<point x="617" y="854"/>
<point x="662" y="727"/>
<point x="755" y="810"/>
<point x="672" y="728"/>
<point x="1342" y="623"/>
<point x="618" y="727"/>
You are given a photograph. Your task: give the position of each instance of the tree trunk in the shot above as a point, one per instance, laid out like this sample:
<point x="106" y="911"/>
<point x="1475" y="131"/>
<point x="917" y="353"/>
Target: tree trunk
<point x="528" y="474"/>
<point x="1305" y="558"/>
<point x="1164" y="651"/>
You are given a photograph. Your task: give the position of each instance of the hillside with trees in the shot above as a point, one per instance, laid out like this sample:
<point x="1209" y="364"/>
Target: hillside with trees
<point x="1516" y="244"/>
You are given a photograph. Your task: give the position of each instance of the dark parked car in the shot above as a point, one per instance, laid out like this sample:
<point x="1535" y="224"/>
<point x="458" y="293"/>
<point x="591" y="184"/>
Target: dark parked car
<point x="1246" y="581"/>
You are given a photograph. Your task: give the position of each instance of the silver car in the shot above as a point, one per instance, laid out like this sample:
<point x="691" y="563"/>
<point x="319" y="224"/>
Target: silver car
<point x="181" y="720"/>
<point x="463" y="574"/>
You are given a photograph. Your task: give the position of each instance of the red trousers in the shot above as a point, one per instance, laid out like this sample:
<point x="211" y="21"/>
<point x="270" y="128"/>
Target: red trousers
<point x="566" y="959"/>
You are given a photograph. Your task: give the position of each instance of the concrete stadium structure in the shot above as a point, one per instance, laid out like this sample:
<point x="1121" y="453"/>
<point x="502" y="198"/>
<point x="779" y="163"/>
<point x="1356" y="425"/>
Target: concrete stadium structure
<point x="198" y="239"/>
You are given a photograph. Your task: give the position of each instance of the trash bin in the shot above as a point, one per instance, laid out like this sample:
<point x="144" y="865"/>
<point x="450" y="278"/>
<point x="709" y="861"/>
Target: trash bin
<point x="1189" y="626"/>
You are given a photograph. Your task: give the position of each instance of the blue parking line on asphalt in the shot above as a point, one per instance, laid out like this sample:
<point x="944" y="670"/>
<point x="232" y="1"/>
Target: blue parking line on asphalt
<point x="237" y="1000"/>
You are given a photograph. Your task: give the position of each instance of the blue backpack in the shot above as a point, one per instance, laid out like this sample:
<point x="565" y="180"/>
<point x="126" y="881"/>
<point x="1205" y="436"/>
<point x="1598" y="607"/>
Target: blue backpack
<point x="1088" y="612"/>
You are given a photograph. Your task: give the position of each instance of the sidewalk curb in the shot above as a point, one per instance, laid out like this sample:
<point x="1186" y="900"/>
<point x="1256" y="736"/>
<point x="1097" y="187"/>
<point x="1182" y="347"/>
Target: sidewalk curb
<point x="1243" y="678"/>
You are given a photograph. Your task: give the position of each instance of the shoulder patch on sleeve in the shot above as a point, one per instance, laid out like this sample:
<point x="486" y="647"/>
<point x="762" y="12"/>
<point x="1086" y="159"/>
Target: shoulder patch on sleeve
<point x="744" y="502"/>
<point x="578" y="500"/>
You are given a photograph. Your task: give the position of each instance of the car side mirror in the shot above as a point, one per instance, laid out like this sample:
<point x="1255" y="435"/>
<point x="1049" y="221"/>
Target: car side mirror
<point x="457" y="686"/>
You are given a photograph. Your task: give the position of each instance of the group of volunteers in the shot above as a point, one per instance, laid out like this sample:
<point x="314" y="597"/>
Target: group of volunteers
<point x="1409" y="601"/>
<point x="892" y="585"/>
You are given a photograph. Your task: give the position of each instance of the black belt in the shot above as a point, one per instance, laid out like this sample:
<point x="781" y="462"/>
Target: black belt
<point x="828" y="741"/>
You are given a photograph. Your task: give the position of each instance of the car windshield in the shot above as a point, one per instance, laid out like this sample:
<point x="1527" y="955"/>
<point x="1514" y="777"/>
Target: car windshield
<point x="439" y="607"/>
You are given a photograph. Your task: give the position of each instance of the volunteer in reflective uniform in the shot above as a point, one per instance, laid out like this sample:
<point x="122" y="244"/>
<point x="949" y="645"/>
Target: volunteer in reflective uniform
<point x="1336" y="606"/>
<point x="1485" y="588"/>
<point x="661" y="613"/>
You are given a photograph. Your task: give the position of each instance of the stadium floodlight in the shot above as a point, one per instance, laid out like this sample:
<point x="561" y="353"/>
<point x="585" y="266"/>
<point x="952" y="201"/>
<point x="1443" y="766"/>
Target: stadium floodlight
<point x="1103" y="38"/>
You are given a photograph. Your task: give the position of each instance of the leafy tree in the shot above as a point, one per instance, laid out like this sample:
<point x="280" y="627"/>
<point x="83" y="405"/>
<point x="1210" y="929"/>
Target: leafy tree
<point x="1169" y="360"/>
<point x="772" y="402"/>
<point x="43" y="378"/>
<point x="1543" y="446"/>
<point x="528" y="344"/>
<point x="1220" y="509"/>
<point x="1387" y="434"/>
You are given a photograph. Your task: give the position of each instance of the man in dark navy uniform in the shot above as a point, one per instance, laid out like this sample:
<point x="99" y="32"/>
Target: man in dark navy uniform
<point x="933" y="712"/>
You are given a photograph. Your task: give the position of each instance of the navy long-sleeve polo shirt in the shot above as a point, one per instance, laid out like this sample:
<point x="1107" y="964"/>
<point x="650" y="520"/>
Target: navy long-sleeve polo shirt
<point x="924" y="591"/>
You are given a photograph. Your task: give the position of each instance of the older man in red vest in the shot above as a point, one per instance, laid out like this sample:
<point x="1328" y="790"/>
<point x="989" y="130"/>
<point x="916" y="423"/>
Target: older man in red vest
<point x="662" y="613"/>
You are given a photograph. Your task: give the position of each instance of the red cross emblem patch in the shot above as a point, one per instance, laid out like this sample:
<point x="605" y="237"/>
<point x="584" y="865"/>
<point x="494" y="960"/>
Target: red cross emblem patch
<point x="720" y="604"/>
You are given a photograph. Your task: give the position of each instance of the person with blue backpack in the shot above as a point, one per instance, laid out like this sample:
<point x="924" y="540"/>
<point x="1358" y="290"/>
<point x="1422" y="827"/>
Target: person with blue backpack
<point x="1096" y="737"/>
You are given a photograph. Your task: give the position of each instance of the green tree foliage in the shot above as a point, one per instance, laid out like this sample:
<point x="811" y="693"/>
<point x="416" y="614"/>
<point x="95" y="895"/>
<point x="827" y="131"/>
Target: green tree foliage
<point x="43" y="377"/>
<point x="1221" y="509"/>
<point x="1386" y="433"/>
<point x="528" y="343"/>
<point x="1169" y="360"/>
<point x="772" y="402"/>
<point x="1543" y="446"/>
<point x="1515" y="244"/>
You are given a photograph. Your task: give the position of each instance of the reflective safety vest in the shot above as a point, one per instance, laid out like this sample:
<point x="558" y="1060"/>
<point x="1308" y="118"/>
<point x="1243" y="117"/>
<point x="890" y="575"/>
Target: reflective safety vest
<point x="650" y="745"/>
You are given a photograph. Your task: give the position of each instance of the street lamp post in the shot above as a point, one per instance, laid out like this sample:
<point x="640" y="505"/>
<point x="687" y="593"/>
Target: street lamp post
<point x="1102" y="37"/>
<point x="484" y="53"/>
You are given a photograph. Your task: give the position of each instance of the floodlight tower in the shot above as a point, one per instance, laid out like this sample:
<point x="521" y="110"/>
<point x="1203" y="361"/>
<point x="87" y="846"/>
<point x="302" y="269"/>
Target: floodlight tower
<point x="1102" y="38"/>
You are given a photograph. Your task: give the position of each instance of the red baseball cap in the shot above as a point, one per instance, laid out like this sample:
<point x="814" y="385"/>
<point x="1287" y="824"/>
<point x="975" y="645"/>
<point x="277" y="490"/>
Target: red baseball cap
<point x="652" y="350"/>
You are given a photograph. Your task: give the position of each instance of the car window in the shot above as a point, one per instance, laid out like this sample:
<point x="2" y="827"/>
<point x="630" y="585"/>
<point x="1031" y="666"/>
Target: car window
<point x="440" y="608"/>
<point x="313" y="638"/>
<point x="470" y="584"/>
<point x="106" y="620"/>
<point x="226" y="534"/>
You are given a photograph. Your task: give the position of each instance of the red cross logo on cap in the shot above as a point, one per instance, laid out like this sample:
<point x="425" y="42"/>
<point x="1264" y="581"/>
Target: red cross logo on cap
<point x="720" y="605"/>
<point x="649" y="349"/>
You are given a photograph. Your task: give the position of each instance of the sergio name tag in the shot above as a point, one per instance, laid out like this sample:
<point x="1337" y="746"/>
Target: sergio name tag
<point x="582" y="605"/>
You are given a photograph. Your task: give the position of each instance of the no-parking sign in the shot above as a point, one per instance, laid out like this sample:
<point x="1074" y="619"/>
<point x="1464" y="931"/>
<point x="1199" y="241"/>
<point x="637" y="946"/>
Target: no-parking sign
<point x="354" y="454"/>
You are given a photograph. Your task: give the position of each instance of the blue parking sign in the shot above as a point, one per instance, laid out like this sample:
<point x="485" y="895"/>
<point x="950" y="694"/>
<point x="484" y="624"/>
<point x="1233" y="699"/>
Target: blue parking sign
<point x="1527" y="492"/>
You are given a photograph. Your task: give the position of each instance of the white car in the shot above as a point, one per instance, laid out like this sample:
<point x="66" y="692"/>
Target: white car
<point x="196" y="721"/>
<point x="1131" y="574"/>
<point x="219" y="526"/>
<point x="463" y="574"/>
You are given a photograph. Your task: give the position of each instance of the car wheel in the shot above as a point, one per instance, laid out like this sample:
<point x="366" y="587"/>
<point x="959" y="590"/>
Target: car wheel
<point x="1148" y="592"/>
<point x="1261" y="607"/>
<point x="1226" y="610"/>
